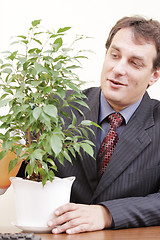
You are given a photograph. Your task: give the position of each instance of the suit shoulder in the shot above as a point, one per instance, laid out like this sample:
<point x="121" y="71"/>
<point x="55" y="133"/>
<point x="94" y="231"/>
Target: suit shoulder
<point x="156" y="104"/>
<point x="92" y="91"/>
<point x="156" y="110"/>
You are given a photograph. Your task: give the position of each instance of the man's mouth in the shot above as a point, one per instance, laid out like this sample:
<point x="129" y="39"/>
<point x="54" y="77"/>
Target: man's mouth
<point x="115" y="82"/>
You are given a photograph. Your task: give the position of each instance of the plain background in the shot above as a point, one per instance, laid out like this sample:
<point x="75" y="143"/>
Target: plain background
<point x="92" y="18"/>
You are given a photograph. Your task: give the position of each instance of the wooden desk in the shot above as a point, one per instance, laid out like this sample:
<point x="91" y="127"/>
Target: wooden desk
<point x="150" y="233"/>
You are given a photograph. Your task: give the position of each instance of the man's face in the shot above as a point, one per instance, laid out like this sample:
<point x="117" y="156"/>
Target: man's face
<point x="127" y="70"/>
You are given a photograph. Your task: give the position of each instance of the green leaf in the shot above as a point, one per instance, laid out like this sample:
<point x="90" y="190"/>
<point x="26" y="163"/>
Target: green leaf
<point x="13" y="55"/>
<point x="6" y="65"/>
<point x="61" y="92"/>
<point x="45" y="166"/>
<point x="58" y="66"/>
<point x="18" y="109"/>
<point x="44" y="179"/>
<point x="12" y="164"/>
<point x="87" y="148"/>
<point x="60" y="30"/>
<point x="7" y="70"/>
<point x="32" y="160"/>
<point x="39" y="68"/>
<point x="57" y="44"/>
<point x="41" y="171"/>
<point x="38" y="33"/>
<point x="90" y="123"/>
<point x="86" y="122"/>
<point x="22" y="60"/>
<point x="51" y="110"/>
<point x="19" y="94"/>
<point x="60" y="158"/>
<point x="52" y="163"/>
<point x="74" y="119"/>
<point x="56" y="144"/>
<point x="58" y="131"/>
<point x="77" y="109"/>
<point x="58" y="41"/>
<point x="4" y="102"/>
<point x="85" y="133"/>
<point x="73" y="86"/>
<point x="2" y="154"/>
<point x="34" y="50"/>
<point x="25" y="41"/>
<point x="36" y="169"/>
<point x="66" y="155"/>
<point x="76" y="147"/>
<point x="29" y="169"/>
<point x="89" y="142"/>
<point x="90" y="130"/>
<point x="36" y="40"/>
<point x="81" y="57"/>
<point x="51" y="175"/>
<point x="47" y="90"/>
<point x="65" y="114"/>
<point x="72" y="151"/>
<point x="45" y="119"/>
<point x="95" y="124"/>
<point x="36" y="112"/>
<point x="81" y="103"/>
<point x="35" y="22"/>
<point x="73" y="67"/>
<point x="38" y="154"/>
<point x="22" y="36"/>
<point x="8" y="90"/>
<point x="18" y="150"/>
<point x="4" y="95"/>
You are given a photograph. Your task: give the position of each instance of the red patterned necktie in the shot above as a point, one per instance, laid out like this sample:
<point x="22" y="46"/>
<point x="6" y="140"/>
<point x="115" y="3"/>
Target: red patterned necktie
<point x="109" y="142"/>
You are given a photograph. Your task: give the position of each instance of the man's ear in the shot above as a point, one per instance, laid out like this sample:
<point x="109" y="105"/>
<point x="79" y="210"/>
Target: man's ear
<point x="155" y="76"/>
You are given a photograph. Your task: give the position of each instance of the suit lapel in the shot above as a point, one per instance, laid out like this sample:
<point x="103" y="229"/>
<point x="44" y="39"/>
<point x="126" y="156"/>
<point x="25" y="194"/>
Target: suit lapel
<point x="132" y="142"/>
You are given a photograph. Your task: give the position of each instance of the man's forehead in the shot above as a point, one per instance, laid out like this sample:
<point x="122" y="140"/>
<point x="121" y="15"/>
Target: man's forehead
<point x="125" y="40"/>
<point x="137" y="38"/>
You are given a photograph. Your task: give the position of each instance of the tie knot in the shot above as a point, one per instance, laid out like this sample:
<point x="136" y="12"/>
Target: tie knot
<point x="115" y="119"/>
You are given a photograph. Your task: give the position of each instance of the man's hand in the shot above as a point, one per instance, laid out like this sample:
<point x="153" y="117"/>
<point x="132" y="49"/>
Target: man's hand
<point x="75" y="218"/>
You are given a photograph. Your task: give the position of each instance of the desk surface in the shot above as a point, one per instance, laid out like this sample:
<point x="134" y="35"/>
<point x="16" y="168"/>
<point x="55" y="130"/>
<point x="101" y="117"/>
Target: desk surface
<point x="150" y="233"/>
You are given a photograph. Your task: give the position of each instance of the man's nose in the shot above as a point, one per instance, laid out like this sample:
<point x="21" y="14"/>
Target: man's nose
<point x="120" y="68"/>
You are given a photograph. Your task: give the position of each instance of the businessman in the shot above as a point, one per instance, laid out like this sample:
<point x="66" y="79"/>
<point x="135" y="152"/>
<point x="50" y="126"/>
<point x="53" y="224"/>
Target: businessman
<point x="121" y="188"/>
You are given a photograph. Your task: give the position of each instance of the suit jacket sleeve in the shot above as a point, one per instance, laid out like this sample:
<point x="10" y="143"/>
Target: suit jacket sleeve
<point x="133" y="189"/>
<point x="134" y="211"/>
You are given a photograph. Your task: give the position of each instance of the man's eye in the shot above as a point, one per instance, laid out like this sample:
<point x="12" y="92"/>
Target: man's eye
<point x="134" y="63"/>
<point x="114" y="55"/>
<point x="138" y="65"/>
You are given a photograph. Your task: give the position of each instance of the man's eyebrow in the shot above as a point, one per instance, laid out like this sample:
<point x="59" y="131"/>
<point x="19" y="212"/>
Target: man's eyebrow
<point x="115" y="47"/>
<point x="134" y="56"/>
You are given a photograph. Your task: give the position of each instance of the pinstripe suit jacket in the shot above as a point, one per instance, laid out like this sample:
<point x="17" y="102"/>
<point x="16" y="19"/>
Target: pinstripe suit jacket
<point x="129" y="188"/>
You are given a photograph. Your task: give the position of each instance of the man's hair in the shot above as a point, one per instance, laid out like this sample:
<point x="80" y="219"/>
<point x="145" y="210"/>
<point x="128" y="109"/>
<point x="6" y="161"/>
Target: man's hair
<point x="143" y="30"/>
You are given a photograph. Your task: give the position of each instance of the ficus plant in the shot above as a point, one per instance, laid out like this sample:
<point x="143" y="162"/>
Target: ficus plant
<point x="34" y="80"/>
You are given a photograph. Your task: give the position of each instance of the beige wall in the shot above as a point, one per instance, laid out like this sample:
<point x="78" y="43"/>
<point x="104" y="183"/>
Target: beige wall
<point x="7" y="208"/>
<point x="91" y="18"/>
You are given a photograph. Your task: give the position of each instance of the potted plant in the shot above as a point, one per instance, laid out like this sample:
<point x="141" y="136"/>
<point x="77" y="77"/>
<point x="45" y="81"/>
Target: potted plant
<point x="35" y="79"/>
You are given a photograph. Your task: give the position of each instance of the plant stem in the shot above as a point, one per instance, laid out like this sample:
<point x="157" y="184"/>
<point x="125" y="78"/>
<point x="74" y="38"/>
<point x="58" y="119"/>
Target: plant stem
<point x="29" y="137"/>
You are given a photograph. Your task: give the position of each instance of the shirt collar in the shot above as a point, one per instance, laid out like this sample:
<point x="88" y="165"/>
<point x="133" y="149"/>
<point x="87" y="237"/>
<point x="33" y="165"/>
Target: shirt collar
<point x="106" y="109"/>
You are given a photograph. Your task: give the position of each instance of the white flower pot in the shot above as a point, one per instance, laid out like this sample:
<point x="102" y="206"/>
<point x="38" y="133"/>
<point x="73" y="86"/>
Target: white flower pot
<point x="35" y="204"/>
